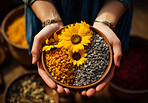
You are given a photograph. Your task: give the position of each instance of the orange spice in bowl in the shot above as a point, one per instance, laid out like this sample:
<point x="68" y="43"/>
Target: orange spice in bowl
<point x="16" y="31"/>
<point x="59" y="66"/>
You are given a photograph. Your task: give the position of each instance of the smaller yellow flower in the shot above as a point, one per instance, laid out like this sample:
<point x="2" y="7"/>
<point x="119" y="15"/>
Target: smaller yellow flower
<point x="77" y="58"/>
<point x="51" y="43"/>
<point x="52" y="40"/>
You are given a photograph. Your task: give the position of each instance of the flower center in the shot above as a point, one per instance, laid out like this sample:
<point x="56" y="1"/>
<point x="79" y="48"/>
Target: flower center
<point x="76" y="39"/>
<point x="76" y="56"/>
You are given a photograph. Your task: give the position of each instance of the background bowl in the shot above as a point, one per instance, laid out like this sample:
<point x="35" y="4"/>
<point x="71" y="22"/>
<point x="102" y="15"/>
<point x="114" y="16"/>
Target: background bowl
<point x="3" y="50"/>
<point x="20" y="53"/>
<point x="130" y="80"/>
<point x="52" y="93"/>
<point x="92" y="84"/>
<point x="126" y="94"/>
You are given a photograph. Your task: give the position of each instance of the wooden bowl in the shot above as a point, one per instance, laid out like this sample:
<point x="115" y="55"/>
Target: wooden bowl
<point x="20" y="53"/>
<point x="3" y="50"/>
<point x="52" y="93"/>
<point x="92" y="84"/>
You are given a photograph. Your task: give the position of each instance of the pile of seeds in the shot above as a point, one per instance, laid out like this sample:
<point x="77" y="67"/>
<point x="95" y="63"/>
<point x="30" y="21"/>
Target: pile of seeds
<point x="28" y="90"/>
<point x="59" y="65"/>
<point x="96" y="62"/>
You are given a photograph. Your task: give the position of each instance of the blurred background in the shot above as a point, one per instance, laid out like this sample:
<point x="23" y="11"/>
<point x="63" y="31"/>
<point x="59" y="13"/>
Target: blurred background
<point x="132" y="74"/>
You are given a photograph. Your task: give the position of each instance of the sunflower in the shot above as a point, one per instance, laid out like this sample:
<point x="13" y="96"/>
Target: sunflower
<point x="77" y="58"/>
<point x="52" y="43"/>
<point x="75" y="36"/>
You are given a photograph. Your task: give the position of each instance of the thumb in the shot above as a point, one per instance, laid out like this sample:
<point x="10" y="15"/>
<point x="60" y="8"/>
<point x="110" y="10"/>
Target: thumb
<point x="35" y="50"/>
<point x="39" y="39"/>
<point x="117" y="50"/>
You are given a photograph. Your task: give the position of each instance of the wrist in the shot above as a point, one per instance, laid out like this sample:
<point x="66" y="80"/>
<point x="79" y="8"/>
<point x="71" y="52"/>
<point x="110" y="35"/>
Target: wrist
<point x="103" y="28"/>
<point x="109" y="24"/>
<point x="57" y="25"/>
<point x="111" y="11"/>
<point x="45" y="9"/>
<point x="50" y="21"/>
<point x="107" y="17"/>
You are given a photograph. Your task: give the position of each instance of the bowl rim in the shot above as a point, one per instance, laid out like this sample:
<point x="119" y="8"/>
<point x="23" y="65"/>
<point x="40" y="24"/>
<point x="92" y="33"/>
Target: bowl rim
<point x="111" y="84"/>
<point x="18" y="78"/>
<point x="92" y="84"/>
<point x="4" y="27"/>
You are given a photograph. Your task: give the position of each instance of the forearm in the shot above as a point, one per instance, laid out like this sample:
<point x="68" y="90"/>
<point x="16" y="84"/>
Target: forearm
<point x="111" y="11"/>
<point x="45" y="9"/>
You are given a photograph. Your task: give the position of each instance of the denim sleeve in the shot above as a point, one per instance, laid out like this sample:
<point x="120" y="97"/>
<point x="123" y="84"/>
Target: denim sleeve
<point x="127" y="3"/>
<point x="28" y="2"/>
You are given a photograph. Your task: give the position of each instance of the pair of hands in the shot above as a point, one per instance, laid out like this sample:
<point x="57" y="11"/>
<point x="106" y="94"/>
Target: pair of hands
<point x="47" y="31"/>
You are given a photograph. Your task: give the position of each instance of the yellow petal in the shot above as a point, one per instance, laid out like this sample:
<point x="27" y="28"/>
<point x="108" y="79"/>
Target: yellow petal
<point x="55" y="36"/>
<point x="85" y="41"/>
<point x="80" y="62"/>
<point x="74" y="62"/>
<point x="47" y="41"/>
<point x="77" y="47"/>
<point x="67" y="38"/>
<point x="47" y="48"/>
<point x="66" y="34"/>
<point x="66" y="44"/>
<point x="86" y="37"/>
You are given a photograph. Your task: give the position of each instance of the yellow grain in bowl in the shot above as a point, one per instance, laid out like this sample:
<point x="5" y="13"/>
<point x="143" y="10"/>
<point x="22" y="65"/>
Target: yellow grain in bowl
<point x="16" y="31"/>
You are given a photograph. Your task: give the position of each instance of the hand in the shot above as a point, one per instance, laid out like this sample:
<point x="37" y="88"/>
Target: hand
<point x="113" y="39"/>
<point x="116" y="45"/>
<point x="39" y="39"/>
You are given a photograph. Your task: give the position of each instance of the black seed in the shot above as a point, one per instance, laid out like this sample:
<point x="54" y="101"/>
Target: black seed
<point x="96" y="62"/>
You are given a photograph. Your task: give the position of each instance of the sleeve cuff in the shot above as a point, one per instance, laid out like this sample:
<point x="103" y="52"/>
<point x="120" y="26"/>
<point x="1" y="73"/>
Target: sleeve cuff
<point x="127" y="3"/>
<point x="29" y="2"/>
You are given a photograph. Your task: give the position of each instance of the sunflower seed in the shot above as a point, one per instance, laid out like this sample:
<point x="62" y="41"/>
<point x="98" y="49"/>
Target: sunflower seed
<point x="96" y="62"/>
